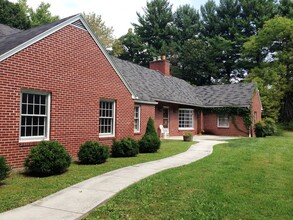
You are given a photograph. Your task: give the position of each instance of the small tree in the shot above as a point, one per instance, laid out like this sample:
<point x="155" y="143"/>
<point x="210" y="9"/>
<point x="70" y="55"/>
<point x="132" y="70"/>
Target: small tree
<point x="150" y="142"/>
<point x="4" y="168"/>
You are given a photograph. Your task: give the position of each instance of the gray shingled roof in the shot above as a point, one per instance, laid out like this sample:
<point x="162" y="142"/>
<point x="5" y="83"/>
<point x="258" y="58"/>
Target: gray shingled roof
<point x="151" y="85"/>
<point x="226" y="95"/>
<point x="11" y="41"/>
<point x="7" y="30"/>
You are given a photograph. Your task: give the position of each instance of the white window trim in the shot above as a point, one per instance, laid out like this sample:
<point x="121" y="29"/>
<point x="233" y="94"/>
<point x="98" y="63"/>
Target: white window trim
<point x="46" y="137"/>
<point x="137" y="130"/>
<point x="223" y="126"/>
<point x="114" y="119"/>
<point x="187" y="128"/>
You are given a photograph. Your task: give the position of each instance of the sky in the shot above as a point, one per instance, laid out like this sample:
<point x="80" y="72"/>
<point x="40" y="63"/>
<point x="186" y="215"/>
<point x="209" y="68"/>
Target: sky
<point x="118" y="14"/>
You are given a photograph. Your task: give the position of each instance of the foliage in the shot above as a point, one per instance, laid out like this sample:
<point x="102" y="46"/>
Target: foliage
<point x="16" y="193"/>
<point x="47" y="158"/>
<point x="41" y="15"/>
<point x="150" y="142"/>
<point x="245" y="113"/>
<point x="289" y="126"/>
<point x="257" y="169"/>
<point x="133" y="49"/>
<point x="20" y="15"/>
<point x="270" y="126"/>
<point x="188" y="134"/>
<point x="12" y="15"/>
<point x="126" y="147"/>
<point x="270" y="51"/>
<point x="4" y="168"/>
<point x="93" y="153"/>
<point x="154" y="27"/>
<point x="266" y="127"/>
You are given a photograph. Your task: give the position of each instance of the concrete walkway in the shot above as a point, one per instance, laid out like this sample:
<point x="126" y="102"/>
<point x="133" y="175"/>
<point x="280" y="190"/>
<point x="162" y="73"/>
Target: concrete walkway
<point x="78" y="200"/>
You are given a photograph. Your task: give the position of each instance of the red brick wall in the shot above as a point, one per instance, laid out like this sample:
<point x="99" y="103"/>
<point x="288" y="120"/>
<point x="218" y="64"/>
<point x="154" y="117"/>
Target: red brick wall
<point x="146" y="111"/>
<point x="173" y="119"/>
<point x="255" y="107"/>
<point x="211" y="126"/>
<point x="70" y="66"/>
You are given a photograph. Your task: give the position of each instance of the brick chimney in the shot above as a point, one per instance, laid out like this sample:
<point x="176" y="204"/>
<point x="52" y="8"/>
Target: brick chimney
<point x="161" y="65"/>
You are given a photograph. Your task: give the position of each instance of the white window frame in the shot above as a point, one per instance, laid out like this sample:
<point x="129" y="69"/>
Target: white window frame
<point x="112" y="134"/>
<point x="137" y="118"/>
<point x="192" y="122"/>
<point x="46" y="135"/>
<point x="227" y="118"/>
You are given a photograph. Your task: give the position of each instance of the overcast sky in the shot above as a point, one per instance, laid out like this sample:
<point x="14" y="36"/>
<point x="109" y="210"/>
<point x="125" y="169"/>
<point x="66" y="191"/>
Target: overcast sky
<point x="116" y="13"/>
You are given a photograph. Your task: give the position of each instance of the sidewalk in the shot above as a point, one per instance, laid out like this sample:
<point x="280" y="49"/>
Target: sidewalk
<point x="78" y="200"/>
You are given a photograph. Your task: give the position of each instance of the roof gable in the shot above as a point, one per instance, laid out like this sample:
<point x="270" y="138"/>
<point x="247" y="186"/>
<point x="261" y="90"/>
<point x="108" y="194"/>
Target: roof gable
<point x="14" y="43"/>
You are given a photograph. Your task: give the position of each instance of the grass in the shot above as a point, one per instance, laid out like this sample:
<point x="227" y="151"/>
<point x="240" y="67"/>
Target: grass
<point x="19" y="189"/>
<point x="245" y="179"/>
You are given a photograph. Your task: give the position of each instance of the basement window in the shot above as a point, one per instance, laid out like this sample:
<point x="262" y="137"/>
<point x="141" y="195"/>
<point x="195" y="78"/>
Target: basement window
<point x="107" y="118"/>
<point x="223" y="121"/>
<point x="35" y="116"/>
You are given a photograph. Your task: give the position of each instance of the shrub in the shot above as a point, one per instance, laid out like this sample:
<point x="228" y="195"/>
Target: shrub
<point x="4" y="168"/>
<point x="289" y="126"/>
<point x="126" y="147"/>
<point x="260" y="129"/>
<point x="270" y="126"/>
<point x="93" y="153"/>
<point x="150" y="142"/>
<point x="47" y="158"/>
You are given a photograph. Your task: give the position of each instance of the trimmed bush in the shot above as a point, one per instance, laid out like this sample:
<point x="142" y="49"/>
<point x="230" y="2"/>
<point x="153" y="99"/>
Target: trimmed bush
<point x="47" y="158"/>
<point x="150" y="142"/>
<point x="93" y="153"/>
<point x="260" y="129"/>
<point x="4" y="168"/>
<point x="126" y="147"/>
<point x="270" y="126"/>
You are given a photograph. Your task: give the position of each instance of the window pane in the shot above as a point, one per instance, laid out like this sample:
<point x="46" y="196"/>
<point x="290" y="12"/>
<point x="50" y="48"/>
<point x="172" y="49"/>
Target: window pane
<point x="22" y="131"/>
<point x="24" y="98"/>
<point x="35" y="131"/>
<point x="30" y="109"/>
<point x="30" y="98"/>
<point x="23" y="109"/>
<point x="28" y="131"/>
<point x="28" y="120"/>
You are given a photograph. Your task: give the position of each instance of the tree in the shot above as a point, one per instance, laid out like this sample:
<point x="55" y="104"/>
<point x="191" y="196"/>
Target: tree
<point x="155" y="27"/>
<point x="21" y="16"/>
<point x="41" y="15"/>
<point x="104" y="33"/>
<point x="133" y="49"/>
<point x="196" y="64"/>
<point x="12" y="15"/>
<point x="271" y="52"/>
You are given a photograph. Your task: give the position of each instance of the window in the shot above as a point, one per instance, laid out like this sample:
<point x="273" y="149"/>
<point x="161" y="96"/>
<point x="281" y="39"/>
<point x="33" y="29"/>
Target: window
<point x="136" y="118"/>
<point x="35" y="116"/>
<point x="107" y="118"/>
<point x="223" y="120"/>
<point x="166" y="117"/>
<point x="185" y="118"/>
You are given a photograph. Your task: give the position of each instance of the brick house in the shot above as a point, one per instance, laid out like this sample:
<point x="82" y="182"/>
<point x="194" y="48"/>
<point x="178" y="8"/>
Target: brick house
<point x="57" y="82"/>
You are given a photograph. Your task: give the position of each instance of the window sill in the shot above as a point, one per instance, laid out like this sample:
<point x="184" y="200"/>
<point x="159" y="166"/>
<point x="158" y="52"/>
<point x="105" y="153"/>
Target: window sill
<point x="223" y="127"/>
<point x="186" y="129"/>
<point x="137" y="133"/>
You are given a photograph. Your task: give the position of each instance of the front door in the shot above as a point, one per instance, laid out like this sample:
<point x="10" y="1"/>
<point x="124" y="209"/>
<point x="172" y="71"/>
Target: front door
<point x="166" y="118"/>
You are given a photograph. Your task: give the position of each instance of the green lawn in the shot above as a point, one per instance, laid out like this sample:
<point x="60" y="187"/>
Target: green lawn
<point x="18" y="189"/>
<point x="245" y="179"/>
